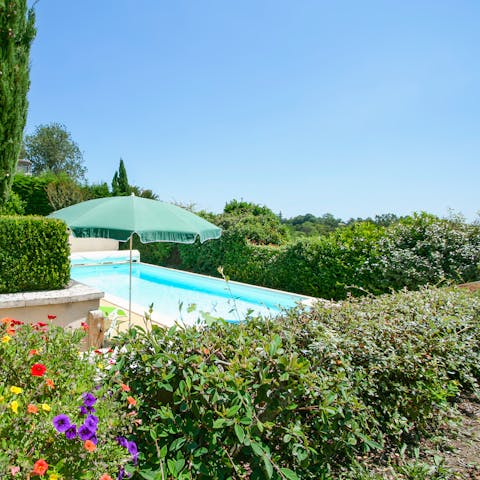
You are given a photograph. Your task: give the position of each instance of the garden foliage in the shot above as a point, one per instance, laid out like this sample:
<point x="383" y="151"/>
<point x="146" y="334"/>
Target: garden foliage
<point x="304" y="395"/>
<point x="361" y="258"/>
<point x="34" y="254"/>
<point x="60" y="418"/>
<point x="33" y="192"/>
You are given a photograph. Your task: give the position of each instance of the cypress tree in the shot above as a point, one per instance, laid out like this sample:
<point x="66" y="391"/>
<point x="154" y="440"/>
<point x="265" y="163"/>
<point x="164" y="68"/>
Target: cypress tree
<point x="17" y="31"/>
<point x="120" y="184"/>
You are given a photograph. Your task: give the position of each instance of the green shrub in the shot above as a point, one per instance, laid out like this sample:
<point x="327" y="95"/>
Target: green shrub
<point x="43" y="377"/>
<point x="304" y="395"/>
<point x="13" y="206"/>
<point x="360" y="258"/>
<point x="425" y="249"/>
<point x="32" y="191"/>
<point x="34" y="254"/>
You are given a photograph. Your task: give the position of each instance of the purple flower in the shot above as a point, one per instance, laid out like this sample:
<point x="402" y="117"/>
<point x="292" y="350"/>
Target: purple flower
<point x="133" y="451"/>
<point x="89" y="400"/>
<point x="71" y="432"/>
<point x="92" y="422"/>
<point x="83" y="410"/>
<point x="122" y="441"/>
<point x="85" y="433"/>
<point x="94" y="439"/>
<point x="132" y="448"/>
<point x="61" y="423"/>
<point x="121" y="474"/>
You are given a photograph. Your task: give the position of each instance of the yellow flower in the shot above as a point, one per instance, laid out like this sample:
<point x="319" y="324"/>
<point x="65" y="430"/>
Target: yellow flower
<point x="16" y="390"/>
<point x="54" y="476"/>
<point x="2" y="398"/>
<point x="14" y="406"/>
<point x="6" y="339"/>
<point x="100" y="366"/>
<point x="46" y="407"/>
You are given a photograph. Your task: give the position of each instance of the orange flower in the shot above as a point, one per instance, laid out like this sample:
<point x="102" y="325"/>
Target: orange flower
<point x="6" y="320"/>
<point x="33" y="352"/>
<point x="40" y="467"/>
<point x="89" y="445"/>
<point x="125" y="388"/>
<point x="50" y="383"/>
<point x="31" y="408"/>
<point x="131" y="401"/>
<point x="10" y="331"/>
<point x="106" y="477"/>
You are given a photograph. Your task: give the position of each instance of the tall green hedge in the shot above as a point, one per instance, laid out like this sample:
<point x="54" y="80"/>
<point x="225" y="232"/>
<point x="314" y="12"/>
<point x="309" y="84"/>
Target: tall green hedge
<point x="34" y="254"/>
<point x="364" y="257"/>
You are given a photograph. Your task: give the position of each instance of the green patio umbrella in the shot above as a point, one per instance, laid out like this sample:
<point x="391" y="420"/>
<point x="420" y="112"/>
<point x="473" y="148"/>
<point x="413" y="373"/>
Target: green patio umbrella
<point x="119" y="218"/>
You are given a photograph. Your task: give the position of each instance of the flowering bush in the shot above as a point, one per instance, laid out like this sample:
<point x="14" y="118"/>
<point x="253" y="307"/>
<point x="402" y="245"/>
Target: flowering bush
<point x="60" y="419"/>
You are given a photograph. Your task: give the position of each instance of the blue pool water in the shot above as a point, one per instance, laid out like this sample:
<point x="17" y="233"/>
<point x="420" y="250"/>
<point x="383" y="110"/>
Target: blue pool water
<point x="167" y="289"/>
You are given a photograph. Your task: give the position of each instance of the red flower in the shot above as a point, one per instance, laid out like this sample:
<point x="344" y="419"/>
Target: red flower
<point x="40" y="467"/>
<point x="51" y="317"/>
<point x="33" y="352"/>
<point x="39" y="325"/>
<point x="84" y="326"/>
<point x="38" y="369"/>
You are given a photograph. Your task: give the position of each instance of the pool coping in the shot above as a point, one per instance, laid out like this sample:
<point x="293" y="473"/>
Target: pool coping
<point x="74" y="292"/>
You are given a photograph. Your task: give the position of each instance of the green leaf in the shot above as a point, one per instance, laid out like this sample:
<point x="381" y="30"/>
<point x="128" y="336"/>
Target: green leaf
<point x="257" y="449"/>
<point x="172" y="466"/>
<point x="274" y="345"/>
<point x="151" y="475"/>
<point x="219" y="423"/>
<point x="233" y="410"/>
<point x="239" y="432"/>
<point x="268" y="466"/>
<point x="289" y="474"/>
<point x="179" y="464"/>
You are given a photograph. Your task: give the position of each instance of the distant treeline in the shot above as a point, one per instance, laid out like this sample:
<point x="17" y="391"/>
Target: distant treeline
<point x="310" y="225"/>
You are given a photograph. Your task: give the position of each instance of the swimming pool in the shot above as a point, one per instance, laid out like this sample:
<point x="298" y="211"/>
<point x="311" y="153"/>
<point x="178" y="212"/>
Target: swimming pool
<point x="178" y="295"/>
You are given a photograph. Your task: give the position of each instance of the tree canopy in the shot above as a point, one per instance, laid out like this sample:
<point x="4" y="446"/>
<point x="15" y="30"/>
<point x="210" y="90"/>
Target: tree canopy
<point x="17" y="31"/>
<point x="52" y="149"/>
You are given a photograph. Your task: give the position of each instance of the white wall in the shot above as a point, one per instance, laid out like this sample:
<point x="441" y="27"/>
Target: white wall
<point x="92" y="244"/>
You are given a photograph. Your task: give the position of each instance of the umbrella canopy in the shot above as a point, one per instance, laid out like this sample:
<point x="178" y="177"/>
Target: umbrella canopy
<point x="120" y="217"/>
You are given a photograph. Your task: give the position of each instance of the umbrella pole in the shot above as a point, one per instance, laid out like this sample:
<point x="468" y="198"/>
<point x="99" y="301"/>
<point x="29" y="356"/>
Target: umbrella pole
<point x="130" y="289"/>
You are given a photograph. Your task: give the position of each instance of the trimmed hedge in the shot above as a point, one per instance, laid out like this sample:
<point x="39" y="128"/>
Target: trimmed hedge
<point x="361" y="258"/>
<point x="34" y="254"/>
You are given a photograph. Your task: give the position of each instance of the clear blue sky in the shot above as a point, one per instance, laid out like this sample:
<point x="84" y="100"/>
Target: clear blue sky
<point x="350" y="107"/>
